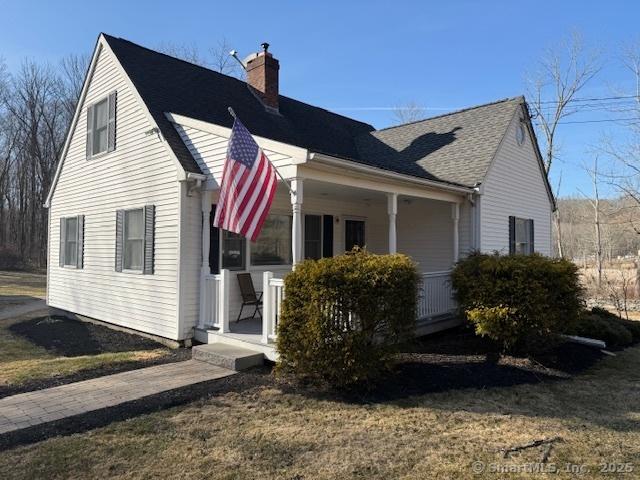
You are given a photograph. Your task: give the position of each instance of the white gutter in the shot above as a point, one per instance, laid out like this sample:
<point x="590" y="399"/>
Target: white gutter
<point x="359" y="167"/>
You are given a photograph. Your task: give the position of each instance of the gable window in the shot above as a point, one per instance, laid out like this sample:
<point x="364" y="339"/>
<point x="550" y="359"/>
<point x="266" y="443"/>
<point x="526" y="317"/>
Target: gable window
<point x="354" y="234"/>
<point x="101" y="122"/>
<point x="313" y="237"/>
<point x="521" y="236"/>
<point x="133" y="239"/>
<point x="100" y="125"/>
<point x="233" y="251"/>
<point x="71" y="241"/>
<point x="273" y="246"/>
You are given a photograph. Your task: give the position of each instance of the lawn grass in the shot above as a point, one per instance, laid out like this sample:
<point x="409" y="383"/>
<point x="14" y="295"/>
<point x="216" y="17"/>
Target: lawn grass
<point x="19" y="287"/>
<point x="276" y="431"/>
<point x="23" y="361"/>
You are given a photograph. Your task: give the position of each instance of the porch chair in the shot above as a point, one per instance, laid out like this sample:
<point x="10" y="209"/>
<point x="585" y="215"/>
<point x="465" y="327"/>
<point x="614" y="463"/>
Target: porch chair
<point x="249" y="295"/>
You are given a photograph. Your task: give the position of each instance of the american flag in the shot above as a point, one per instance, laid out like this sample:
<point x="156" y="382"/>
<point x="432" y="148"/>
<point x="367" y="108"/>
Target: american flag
<point x="248" y="186"/>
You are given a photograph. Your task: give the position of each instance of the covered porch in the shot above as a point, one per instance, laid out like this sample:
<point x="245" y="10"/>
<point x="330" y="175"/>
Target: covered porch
<point x="323" y="218"/>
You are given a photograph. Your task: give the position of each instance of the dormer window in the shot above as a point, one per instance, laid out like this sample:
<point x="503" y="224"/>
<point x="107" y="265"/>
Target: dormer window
<point x="101" y="126"/>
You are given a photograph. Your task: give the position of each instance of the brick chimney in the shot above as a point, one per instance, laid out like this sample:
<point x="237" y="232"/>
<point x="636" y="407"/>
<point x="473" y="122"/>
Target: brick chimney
<point x="262" y="75"/>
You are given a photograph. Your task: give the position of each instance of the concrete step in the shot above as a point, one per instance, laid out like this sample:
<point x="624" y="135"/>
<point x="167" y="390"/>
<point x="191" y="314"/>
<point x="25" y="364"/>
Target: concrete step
<point x="227" y="356"/>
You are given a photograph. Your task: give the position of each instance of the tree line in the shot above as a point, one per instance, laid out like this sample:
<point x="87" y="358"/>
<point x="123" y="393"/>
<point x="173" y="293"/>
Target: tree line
<point x="37" y="103"/>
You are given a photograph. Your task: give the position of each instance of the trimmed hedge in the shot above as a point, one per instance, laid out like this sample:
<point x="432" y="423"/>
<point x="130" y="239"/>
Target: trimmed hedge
<point x="611" y="331"/>
<point x="520" y="301"/>
<point x="632" y="325"/>
<point x="343" y="317"/>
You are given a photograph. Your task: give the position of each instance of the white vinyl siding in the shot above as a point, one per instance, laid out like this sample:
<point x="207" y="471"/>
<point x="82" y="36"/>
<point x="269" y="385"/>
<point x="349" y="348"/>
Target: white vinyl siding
<point x="139" y="172"/>
<point x="514" y="186"/>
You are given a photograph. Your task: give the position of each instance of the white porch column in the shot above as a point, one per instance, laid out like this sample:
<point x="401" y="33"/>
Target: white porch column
<point x="455" y="215"/>
<point x="204" y="269"/>
<point x="296" y="206"/>
<point x="392" y="210"/>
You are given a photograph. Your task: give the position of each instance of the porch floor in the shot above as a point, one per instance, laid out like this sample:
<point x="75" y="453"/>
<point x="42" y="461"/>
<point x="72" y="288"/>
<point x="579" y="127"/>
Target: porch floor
<point x="247" y="329"/>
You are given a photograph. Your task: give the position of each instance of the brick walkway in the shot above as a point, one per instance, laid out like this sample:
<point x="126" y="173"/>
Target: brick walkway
<point x="42" y="406"/>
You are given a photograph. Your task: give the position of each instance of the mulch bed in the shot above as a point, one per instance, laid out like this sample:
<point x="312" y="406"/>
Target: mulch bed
<point x="457" y="359"/>
<point x="70" y="338"/>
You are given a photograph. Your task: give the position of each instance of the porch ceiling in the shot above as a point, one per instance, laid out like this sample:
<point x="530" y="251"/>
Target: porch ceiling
<point x="334" y="191"/>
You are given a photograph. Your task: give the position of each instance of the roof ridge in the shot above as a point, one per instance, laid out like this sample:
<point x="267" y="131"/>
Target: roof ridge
<point x="454" y="112"/>
<point x="231" y="77"/>
<point x="158" y="52"/>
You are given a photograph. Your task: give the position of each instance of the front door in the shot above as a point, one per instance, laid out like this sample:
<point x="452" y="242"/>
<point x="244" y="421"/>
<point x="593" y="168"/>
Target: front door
<point x="354" y="234"/>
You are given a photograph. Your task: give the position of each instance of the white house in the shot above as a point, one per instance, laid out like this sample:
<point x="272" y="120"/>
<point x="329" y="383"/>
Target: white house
<point x="130" y="237"/>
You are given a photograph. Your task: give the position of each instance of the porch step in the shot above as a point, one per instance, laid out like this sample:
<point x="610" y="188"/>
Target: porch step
<point x="227" y="356"/>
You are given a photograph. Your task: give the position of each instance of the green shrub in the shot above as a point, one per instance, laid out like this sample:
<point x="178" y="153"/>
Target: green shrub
<point x="343" y="317"/>
<point x="520" y="301"/>
<point x="631" y="325"/>
<point x="609" y="330"/>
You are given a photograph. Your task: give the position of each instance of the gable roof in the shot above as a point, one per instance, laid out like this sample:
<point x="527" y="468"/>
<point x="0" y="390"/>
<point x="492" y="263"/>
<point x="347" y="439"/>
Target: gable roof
<point x="167" y="84"/>
<point x="456" y="147"/>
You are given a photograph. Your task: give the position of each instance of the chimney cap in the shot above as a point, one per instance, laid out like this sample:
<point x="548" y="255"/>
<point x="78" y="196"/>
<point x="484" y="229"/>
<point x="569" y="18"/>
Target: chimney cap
<point x="265" y="46"/>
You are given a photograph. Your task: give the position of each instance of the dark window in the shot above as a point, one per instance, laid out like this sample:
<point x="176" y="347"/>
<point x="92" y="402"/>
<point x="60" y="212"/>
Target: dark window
<point x="273" y="246"/>
<point x="354" y="234"/>
<point x="313" y="237"/>
<point x="233" y="250"/>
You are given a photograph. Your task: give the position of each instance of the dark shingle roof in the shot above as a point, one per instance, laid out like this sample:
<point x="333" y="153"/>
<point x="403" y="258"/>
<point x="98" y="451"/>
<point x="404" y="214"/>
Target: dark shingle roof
<point x="455" y="148"/>
<point x="167" y="84"/>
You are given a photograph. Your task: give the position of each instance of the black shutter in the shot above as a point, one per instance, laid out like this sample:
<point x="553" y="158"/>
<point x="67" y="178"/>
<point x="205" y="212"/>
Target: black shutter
<point x="531" y="237"/>
<point x="327" y="236"/>
<point x="80" y="244"/>
<point x="89" y="131"/>
<point x="119" y="239"/>
<point x="214" y="243"/>
<point x="512" y="235"/>
<point x="63" y="235"/>
<point x="149" y="225"/>
<point x="111" y="125"/>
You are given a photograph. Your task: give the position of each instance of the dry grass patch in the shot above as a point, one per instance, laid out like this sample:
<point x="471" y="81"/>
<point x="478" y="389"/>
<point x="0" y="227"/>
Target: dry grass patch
<point x="24" y="362"/>
<point x="18" y="287"/>
<point x="276" y="431"/>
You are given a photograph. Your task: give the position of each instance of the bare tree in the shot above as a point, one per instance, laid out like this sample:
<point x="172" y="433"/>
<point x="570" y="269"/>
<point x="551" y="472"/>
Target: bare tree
<point x="626" y="154"/>
<point x="408" y="112"/>
<point x="563" y="72"/>
<point x="73" y="70"/>
<point x="594" y="174"/>
<point x="216" y="58"/>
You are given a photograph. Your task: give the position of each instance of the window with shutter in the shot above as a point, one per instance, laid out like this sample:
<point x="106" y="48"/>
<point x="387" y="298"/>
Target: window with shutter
<point x="313" y="236"/>
<point x="135" y="230"/>
<point x="71" y="241"/>
<point x="520" y="236"/>
<point x="101" y="126"/>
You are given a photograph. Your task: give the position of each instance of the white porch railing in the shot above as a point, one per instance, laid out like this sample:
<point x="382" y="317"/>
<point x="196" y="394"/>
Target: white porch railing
<point x="435" y="295"/>
<point x="215" y="302"/>
<point x="273" y="294"/>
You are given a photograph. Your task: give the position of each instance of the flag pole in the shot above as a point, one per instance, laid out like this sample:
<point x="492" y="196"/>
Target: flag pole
<point x="291" y="191"/>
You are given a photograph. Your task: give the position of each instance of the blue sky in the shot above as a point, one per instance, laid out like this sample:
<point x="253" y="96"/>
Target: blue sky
<point x="358" y="58"/>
